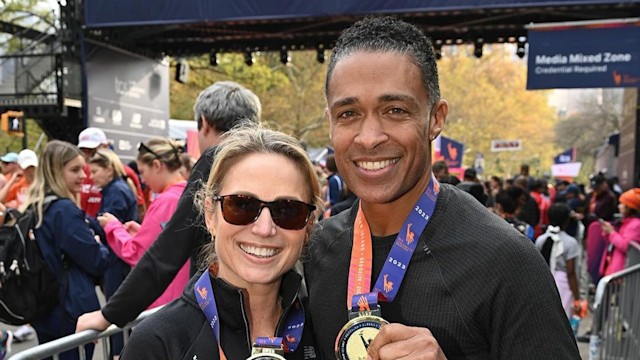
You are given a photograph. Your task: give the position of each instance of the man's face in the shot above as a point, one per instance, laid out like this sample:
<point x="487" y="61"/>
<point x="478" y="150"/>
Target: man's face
<point x="381" y="124"/>
<point x="88" y="153"/>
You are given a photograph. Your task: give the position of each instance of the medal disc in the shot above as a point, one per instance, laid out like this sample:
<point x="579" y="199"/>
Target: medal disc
<point x="266" y="357"/>
<point x="356" y="335"/>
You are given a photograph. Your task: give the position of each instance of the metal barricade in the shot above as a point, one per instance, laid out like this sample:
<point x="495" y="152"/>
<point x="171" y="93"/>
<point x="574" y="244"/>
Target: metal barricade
<point x="54" y="348"/>
<point x="615" y="332"/>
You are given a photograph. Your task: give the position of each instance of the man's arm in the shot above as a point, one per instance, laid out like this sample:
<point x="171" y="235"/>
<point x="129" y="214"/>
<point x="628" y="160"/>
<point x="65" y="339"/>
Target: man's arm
<point x="160" y="264"/>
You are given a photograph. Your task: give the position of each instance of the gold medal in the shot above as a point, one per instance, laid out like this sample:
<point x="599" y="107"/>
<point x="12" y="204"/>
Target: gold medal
<point x="356" y="335"/>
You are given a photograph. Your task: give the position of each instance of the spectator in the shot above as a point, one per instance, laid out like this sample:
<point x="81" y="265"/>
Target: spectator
<point x="336" y="187"/>
<point x="472" y="185"/>
<point x="617" y="241"/>
<point x="440" y="170"/>
<point x="9" y="167"/>
<point x="19" y="184"/>
<point x="508" y="203"/>
<point x="562" y="252"/>
<point x="159" y="164"/>
<point x="66" y="242"/>
<point x="89" y="141"/>
<point x="118" y="200"/>
<point x="602" y="202"/>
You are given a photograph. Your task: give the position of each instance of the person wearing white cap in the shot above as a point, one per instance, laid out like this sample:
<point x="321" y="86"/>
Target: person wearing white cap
<point x="15" y="191"/>
<point x="89" y="141"/>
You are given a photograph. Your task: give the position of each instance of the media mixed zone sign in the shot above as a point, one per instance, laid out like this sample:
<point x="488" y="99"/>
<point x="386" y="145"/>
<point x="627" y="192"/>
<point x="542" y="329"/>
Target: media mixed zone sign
<point x="597" y="55"/>
<point x="506" y="145"/>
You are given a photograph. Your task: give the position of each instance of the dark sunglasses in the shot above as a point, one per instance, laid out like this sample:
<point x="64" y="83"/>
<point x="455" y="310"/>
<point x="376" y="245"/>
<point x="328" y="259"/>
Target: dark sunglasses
<point x="244" y="210"/>
<point x="143" y="147"/>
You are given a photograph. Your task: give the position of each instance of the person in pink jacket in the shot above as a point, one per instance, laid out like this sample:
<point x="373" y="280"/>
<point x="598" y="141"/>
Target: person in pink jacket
<point x="617" y="242"/>
<point x="159" y="165"/>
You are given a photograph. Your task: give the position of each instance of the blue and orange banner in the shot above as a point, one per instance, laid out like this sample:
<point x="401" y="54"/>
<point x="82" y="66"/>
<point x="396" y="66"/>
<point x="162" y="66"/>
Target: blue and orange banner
<point x="598" y="55"/>
<point x="449" y="150"/>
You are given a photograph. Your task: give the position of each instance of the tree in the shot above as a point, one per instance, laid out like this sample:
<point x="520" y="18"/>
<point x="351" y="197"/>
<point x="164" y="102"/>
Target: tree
<point x="598" y="115"/>
<point x="488" y="100"/>
<point x="292" y="95"/>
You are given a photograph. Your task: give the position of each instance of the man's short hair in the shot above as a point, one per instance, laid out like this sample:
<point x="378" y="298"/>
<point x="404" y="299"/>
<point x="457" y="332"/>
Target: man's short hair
<point x="438" y="166"/>
<point x="387" y="34"/>
<point x="225" y="104"/>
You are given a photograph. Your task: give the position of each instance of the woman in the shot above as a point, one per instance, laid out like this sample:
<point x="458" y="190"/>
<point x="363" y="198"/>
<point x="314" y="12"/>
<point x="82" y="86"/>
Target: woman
<point x="119" y="198"/>
<point x="617" y="242"/>
<point x="258" y="207"/>
<point x="159" y="164"/>
<point x="66" y="241"/>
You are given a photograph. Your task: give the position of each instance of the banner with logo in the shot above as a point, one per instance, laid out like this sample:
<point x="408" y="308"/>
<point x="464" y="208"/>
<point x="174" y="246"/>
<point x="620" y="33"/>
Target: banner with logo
<point x="449" y="150"/>
<point x="566" y="156"/>
<point x="597" y="55"/>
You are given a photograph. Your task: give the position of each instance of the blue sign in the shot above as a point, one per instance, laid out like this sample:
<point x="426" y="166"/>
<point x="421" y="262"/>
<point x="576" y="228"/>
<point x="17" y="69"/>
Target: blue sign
<point x="452" y="152"/>
<point x="567" y="156"/>
<point x="603" y="55"/>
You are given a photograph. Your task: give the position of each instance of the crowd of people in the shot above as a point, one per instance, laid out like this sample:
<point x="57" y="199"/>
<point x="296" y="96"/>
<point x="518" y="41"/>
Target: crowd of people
<point x="256" y="249"/>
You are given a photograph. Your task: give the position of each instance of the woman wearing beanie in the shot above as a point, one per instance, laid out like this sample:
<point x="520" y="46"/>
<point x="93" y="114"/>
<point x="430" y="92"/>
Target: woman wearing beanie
<point x="617" y="242"/>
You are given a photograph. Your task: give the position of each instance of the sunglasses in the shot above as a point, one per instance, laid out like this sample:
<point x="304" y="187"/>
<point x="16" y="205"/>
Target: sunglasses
<point x="244" y="210"/>
<point x="143" y="147"/>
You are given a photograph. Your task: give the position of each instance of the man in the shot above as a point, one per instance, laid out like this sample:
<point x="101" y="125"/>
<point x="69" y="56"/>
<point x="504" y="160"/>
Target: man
<point x="440" y="170"/>
<point x="218" y="109"/>
<point x="471" y="184"/>
<point x="89" y="141"/>
<point x="474" y="287"/>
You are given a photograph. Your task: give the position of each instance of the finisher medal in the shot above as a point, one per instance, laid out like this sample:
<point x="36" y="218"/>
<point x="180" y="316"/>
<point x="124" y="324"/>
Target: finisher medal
<point x="364" y="324"/>
<point x="365" y="318"/>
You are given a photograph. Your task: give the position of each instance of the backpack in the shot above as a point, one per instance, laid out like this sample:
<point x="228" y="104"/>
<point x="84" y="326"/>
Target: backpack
<point x="28" y="287"/>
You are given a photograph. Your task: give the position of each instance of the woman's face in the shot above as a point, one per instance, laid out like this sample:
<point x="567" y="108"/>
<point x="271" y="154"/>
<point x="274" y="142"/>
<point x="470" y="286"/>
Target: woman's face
<point x="149" y="175"/>
<point x="101" y="176"/>
<point x="624" y="209"/>
<point x="260" y="252"/>
<point x="74" y="174"/>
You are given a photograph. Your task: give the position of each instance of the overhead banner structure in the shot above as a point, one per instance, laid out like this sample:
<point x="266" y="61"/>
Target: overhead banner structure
<point x="449" y="150"/>
<point x="587" y="55"/>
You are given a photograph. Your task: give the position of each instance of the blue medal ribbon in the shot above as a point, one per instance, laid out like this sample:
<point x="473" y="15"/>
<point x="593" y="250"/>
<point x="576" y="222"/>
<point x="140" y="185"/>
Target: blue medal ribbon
<point x="397" y="262"/>
<point x="294" y="323"/>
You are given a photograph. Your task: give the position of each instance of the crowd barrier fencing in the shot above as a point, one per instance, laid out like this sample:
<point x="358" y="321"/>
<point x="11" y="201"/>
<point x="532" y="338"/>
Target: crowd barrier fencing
<point x="78" y="340"/>
<point x="615" y="332"/>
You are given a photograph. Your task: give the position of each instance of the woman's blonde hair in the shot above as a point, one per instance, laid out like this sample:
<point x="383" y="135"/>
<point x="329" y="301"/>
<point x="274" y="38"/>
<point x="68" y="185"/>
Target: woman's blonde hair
<point x="165" y="150"/>
<point x="49" y="179"/>
<point x="251" y="138"/>
<point x="106" y="158"/>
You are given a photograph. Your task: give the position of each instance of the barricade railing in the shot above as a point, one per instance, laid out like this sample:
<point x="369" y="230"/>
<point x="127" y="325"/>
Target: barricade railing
<point x="615" y="332"/>
<point x="78" y="340"/>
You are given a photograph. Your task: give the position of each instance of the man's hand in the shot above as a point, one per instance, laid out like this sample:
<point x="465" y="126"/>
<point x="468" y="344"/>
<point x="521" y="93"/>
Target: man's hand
<point x="397" y="341"/>
<point x="93" y="320"/>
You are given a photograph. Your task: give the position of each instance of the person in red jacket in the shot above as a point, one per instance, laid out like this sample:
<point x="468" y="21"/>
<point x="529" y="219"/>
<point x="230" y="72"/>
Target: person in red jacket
<point x="89" y="141"/>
